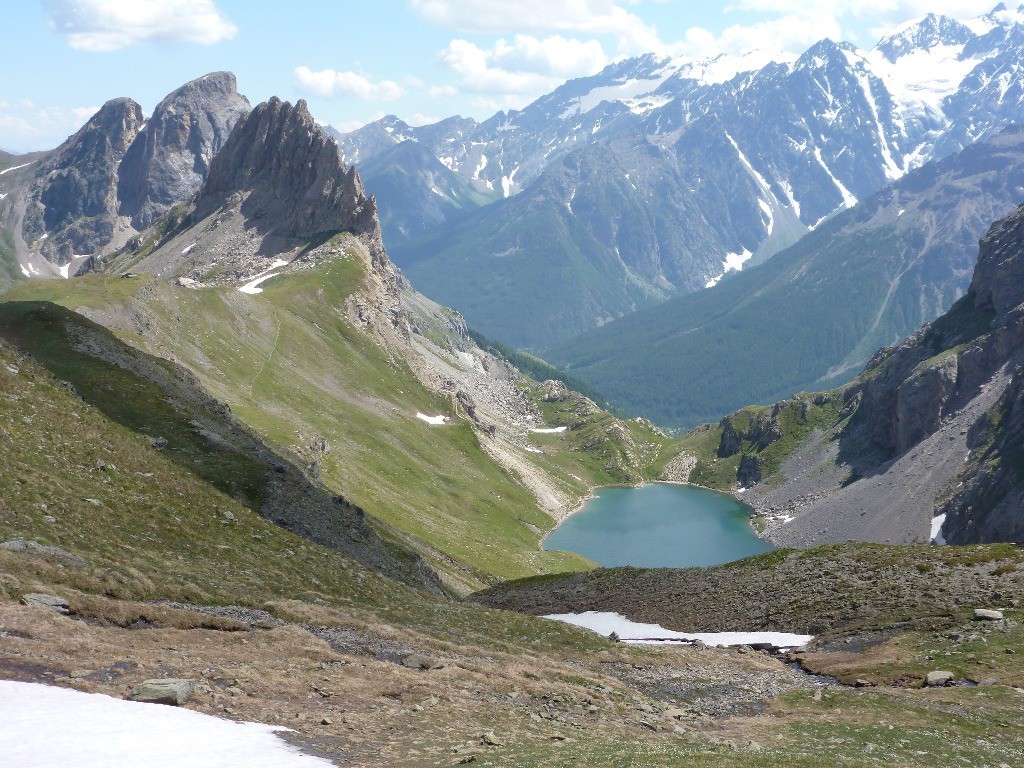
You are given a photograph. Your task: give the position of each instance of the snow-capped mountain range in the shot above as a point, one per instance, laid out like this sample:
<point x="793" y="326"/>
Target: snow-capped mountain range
<point x="800" y="137"/>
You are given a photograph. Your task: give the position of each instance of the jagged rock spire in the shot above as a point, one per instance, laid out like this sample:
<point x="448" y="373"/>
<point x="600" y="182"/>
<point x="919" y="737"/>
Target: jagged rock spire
<point x="291" y="173"/>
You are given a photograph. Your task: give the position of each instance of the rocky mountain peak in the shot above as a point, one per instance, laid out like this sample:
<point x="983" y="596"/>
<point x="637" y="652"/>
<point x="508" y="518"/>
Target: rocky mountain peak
<point x="110" y="131"/>
<point x="289" y="171"/>
<point x="923" y="34"/>
<point x="77" y="184"/>
<point x="826" y="54"/>
<point x="118" y="121"/>
<point x="171" y="157"/>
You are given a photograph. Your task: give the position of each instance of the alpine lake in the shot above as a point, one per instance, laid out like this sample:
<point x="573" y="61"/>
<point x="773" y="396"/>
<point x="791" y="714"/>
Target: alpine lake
<point x="659" y="525"/>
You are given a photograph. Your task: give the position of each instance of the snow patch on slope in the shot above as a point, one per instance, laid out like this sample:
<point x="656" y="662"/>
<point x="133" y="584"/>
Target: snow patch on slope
<point x="15" y="167"/>
<point x="723" y="68"/>
<point x="919" y="81"/>
<point x="606" y="622"/>
<point x="434" y="421"/>
<point x="848" y="199"/>
<point x="253" y="285"/>
<point x="733" y="261"/>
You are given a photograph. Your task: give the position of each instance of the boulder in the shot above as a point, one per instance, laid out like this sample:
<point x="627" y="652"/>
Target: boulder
<point x="171" y="691"/>
<point x="53" y="602"/>
<point x="41" y="550"/>
<point x="938" y="678"/>
<point x="419" y="661"/>
<point x="987" y="614"/>
<point x="491" y="740"/>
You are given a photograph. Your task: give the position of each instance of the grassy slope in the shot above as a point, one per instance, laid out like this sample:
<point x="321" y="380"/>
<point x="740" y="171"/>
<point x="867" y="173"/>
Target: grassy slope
<point x="160" y="532"/>
<point x="598" y="445"/>
<point x="292" y="367"/>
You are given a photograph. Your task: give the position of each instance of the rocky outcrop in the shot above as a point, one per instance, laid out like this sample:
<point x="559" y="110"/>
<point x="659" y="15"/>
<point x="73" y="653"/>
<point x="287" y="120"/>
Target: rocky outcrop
<point x="761" y="431"/>
<point x="998" y="281"/>
<point x="907" y="400"/>
<point x="278" y="196"/>
<point x="35" y="549"/>
<point x="171" y="156"/>
<point x="291" y="176"/>
<point x="72" y="204"/>
<point x="980" y="337"/>
<point x="50" y="602"/>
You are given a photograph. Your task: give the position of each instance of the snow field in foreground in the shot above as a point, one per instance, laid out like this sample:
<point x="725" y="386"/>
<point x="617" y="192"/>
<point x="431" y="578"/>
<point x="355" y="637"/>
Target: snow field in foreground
<point x="42" y="726"/>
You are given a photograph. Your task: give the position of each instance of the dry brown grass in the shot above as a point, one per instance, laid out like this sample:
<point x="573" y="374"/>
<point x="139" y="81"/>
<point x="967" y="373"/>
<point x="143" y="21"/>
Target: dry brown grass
<point x="381" y="713"/>
<point x="125" y="613"/>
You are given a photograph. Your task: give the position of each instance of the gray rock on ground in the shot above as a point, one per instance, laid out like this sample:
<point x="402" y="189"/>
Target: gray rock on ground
<point x="938" y="678"/>
<point x="419" y="661"/>
<point x="171" y="691"/>
<point x="987" y="614"/>
<point x="53" y="602"/>
<point x="41" y="550"/>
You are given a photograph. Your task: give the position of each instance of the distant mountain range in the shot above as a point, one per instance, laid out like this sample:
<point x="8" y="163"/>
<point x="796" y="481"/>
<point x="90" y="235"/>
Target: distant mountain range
<point x="735" y="158"/>
<point x="812" y="316"/>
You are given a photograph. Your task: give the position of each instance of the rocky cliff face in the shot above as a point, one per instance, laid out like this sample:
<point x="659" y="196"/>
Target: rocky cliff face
<point x="987" y="501"/>
<point x="72" y="203"/>
<point x="291" y="175"/>
<point x="170" y="159"/>
<point x="924" y="380"/>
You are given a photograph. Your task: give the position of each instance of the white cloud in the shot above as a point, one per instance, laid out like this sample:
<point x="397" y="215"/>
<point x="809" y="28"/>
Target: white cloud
<point x="792" y="32"/>
<point x="26" y="126"/>
<point x="584" y="17"/>
<point x="794" y="25"/>
<point x="525" y="66"/>
<point x="330" y="84"/>
<point x="420" y="119"/>
<point x="442" y="91"/>
<point x="555" y="55"/>
<point x="107" y="25"/>
<point x="347" y="126"/>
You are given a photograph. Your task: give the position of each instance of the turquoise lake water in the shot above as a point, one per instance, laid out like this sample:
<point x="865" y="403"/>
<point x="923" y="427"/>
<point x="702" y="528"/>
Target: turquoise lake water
<point x="659" y="525"/>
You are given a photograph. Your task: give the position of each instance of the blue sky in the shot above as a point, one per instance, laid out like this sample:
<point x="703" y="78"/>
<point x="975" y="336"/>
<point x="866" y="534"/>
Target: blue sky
<point x="357" y="60"/>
